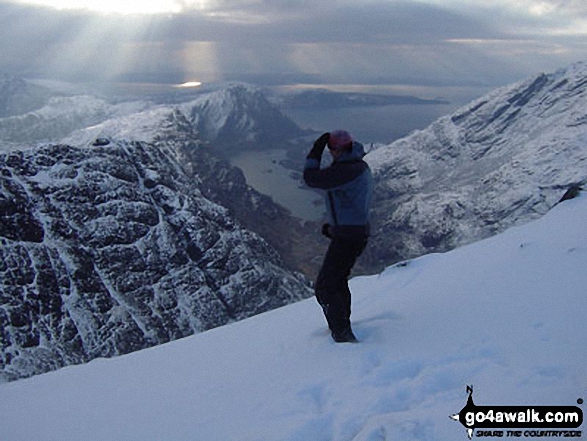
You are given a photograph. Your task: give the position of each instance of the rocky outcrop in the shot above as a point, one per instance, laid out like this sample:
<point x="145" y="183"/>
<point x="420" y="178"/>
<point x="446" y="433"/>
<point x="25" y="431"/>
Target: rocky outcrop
<point x="110" y="249"/>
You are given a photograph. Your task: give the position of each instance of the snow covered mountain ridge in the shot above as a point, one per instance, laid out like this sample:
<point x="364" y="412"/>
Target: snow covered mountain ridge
<point x="236" y="116"/>
<point x="32" y="113"/>
<point x="507" y="315"/>
<point x="504" y="159"/>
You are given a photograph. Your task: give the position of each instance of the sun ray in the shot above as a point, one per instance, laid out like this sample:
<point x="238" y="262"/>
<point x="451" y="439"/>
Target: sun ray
<point x="121" y="7"/>
<point x="200" y="59"/>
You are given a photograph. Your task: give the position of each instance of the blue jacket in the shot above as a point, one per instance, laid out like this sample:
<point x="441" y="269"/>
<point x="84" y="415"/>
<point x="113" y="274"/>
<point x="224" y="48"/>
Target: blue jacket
<point x="348" y="185"/>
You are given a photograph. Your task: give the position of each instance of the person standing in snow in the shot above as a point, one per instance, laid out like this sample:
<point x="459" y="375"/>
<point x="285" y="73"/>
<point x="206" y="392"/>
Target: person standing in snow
<point x="348" y="187"/>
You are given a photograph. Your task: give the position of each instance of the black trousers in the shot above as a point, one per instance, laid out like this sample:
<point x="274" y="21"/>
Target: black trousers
<point x="332" y="289"/>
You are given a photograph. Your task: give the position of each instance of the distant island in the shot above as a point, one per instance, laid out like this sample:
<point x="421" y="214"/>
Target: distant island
<point x="326" y="99"/>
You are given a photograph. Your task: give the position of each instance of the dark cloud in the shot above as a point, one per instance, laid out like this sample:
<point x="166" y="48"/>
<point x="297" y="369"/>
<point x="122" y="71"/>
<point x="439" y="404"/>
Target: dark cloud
<point x="354" y="23"/>
<point x="292" y="41"/>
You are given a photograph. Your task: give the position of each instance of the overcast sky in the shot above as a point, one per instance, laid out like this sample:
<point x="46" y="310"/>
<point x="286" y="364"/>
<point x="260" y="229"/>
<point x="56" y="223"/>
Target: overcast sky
<point x="479" y="43"/>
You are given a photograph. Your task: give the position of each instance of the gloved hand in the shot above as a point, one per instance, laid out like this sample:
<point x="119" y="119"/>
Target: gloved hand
<point x="319" y="146"/>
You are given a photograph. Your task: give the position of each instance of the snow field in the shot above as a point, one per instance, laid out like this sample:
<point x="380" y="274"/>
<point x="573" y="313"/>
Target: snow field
<point x="506" y="314"/>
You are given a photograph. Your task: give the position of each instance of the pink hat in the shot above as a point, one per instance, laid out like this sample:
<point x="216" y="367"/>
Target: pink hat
<point x="339" y="139"/>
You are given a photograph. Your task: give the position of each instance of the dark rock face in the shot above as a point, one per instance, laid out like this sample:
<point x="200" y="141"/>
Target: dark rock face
<point x="110" y="249"/>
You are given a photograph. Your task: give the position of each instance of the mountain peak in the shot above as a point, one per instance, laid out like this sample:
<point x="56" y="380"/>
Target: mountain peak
<point x="239" y="115"/>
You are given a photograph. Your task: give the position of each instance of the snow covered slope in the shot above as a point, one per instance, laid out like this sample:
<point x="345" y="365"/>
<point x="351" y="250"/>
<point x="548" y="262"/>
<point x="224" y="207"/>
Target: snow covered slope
<point x="145" y="126"/>
<point x="504" y="159"/>
<point x="507" y="315"/>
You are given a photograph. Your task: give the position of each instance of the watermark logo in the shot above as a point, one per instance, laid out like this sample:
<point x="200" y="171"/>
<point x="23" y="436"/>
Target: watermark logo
<point x="519" y="421"/>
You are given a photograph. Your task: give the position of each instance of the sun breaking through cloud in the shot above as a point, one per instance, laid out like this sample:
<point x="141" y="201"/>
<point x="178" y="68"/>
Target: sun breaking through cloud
<point x="189" y="85"/>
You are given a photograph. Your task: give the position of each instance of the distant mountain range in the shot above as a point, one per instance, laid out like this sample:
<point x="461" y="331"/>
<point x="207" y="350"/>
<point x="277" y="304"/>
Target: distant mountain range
<point x="235" y="117"/>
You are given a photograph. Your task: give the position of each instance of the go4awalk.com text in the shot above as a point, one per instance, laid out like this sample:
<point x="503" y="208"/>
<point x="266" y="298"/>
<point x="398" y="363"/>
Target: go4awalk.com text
<point x="528" y="433"/>
<point x="520" y="421"/>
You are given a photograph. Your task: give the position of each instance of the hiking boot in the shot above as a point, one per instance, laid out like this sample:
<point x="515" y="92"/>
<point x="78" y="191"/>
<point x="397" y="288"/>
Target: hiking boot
<point x="345" y="336"/>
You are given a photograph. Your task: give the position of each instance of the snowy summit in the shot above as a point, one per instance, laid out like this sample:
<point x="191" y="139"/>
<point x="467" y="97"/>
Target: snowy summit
<point x="507" y="314"/>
